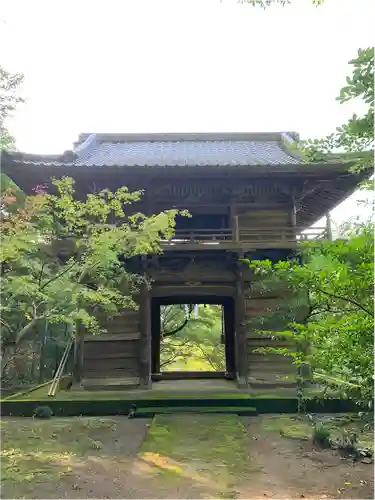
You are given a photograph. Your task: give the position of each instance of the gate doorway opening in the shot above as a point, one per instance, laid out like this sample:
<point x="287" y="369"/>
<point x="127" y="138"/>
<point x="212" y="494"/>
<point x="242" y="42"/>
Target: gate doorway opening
<point x="192" y="337"/>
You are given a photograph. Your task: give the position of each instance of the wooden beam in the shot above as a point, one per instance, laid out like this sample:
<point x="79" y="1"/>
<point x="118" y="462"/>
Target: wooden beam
<point x="78" y="356"/>
<point x="112" y="337"/>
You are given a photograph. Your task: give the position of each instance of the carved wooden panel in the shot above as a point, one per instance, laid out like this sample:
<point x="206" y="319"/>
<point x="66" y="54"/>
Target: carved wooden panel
<point x="204" y="190"/>
<point x="188" y="269"/>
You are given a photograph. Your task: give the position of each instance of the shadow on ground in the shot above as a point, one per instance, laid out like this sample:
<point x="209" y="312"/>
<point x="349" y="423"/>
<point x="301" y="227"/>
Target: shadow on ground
<point x="183" y="456"/>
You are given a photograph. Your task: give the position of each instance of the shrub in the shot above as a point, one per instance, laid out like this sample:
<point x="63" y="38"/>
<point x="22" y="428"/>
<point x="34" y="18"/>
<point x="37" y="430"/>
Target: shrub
<point x="321" y="435"/>
<point x="43" y="412"/>
<point x="348" y="442"/>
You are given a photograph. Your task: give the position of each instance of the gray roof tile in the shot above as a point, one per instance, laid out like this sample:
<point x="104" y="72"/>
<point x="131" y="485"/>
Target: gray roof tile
<point x="180" y="153"/>
<point x="173" y="150"/>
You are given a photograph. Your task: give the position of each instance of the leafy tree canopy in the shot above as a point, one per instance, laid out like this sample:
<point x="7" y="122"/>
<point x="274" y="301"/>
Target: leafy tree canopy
<point x="191" y="338"/>
<point x="9" y="99"/>
<point x="63" y="261"/>
<point x="334" y="286"/>
<point x="353" y="140"/>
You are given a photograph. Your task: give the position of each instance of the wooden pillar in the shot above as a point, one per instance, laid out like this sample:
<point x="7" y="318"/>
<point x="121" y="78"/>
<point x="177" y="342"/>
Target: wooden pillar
<point x="145" y="331"/>
<point x="236" y="229"/>
<point x="293" y="219"/>
<point x="78" y="369"/>
<point x="155" y="338"/>
<point x="240" y="332"/>
<point x="229" y="336"/>
<point x="234" y="222"/>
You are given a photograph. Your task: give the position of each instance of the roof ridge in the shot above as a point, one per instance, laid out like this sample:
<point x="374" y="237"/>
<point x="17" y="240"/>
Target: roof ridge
<point x="289" y="144"/>
<point x="185" y="136"/>
<point x="82" y="148"/>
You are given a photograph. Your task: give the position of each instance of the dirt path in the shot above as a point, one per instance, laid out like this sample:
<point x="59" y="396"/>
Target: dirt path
<point x="291" y="468"/>
<point x="182" y="457"/>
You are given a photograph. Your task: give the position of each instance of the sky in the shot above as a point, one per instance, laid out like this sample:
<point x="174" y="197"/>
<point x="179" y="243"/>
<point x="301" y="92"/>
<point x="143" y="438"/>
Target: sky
<point x="179" y="66"/>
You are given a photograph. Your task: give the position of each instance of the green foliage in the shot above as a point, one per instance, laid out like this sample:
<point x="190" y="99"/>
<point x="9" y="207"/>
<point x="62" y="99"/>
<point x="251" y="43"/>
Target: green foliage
<point x="43" y="412"/>
<point x="348" y="441"/>
<point x="63" y="260"/>
<point x="321" y="435"/>
<point x="330" y="316"/>
<point x="197" y="345"/>
<point x="354" y="140"/>
<point x="335" y="287"/>
<point x="9" y="99"/>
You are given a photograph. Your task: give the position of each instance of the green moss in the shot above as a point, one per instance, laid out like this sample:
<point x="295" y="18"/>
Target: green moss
<point x="39" y="389"/>
<point x="285" y="393"/>
<point x="218" y="440"/>
<point x="288" y="426"/>
<point x="300" y="427"/>
<point x="44" y="450"/>
<point x="41" y="394"/>
<point x="197" y="409"/>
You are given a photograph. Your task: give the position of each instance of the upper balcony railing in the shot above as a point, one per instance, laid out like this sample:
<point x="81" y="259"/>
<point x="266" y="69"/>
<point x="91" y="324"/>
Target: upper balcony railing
<point x="281" y="237"/>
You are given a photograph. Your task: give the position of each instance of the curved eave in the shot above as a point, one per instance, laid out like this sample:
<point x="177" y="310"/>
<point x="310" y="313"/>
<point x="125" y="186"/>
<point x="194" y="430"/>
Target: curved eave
<point x="337" y="183"/>
<point x="25" y="173"/>
<point x="326" y="196"/>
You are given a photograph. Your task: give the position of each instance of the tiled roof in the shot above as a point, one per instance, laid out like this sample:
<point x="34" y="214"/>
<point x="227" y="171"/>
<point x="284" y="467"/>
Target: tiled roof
<point x="175" y="150"/>
<point x="231" y="151"/>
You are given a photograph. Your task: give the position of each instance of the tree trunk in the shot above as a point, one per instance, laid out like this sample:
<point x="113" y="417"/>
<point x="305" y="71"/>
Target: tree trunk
<point x="19" y="337"/>
<point x="34" y="361"/>
<point x="5" y="357"/>
<point x="26" y="330"/>
<point x="43" y="335"/>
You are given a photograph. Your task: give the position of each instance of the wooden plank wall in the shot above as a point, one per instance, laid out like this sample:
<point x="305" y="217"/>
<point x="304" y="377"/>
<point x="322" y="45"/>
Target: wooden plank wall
<point x="266" y="369"/>
<point x="273" y="219"/>
<point x="114" y="354"/>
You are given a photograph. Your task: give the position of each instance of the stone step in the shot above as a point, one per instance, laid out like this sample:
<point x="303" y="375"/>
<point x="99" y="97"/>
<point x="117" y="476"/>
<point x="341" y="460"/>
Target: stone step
<point x="201" y="410"/>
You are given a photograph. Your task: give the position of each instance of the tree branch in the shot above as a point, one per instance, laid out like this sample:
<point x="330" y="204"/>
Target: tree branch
<point x="25" y="330"/>
<point x="54" y="278"/>
<point x="41" y="274"/>
<point x="4" y="324"/>
<point x="346" y="299"/>
<point x="206" y="357"/>
<point x="178" y="328"/>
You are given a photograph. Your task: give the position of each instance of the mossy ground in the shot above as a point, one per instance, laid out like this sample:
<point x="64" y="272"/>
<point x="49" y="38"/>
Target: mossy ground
<point x="40" y="450"/>
<point x="183" y="456"/>
<point x="210" y="450"/>
<point x="184" y="389"/>
<point x="301" y="427"/>
<point x="41" y="395"/>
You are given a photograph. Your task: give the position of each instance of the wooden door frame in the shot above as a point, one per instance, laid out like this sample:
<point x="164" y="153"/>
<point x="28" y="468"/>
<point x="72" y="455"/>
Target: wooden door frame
<point x="227" y="302"/>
